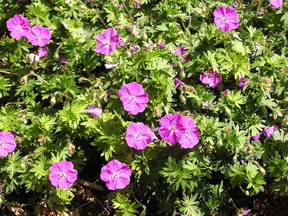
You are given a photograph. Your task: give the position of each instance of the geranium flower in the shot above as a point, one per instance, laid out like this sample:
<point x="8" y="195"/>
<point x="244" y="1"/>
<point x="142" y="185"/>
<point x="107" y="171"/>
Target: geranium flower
<point x="116" y="175"/>
<point x="270" y="131"/>
<point x="256" y="137"/>
<point x="107" y="41"/>
<point x="18" y="26"/>
<point x="62" y="174"/>
<point x="211" y="78"/>
<point x="33" y="58"/>
<point x="63" y="60"/>
<point x="191" y="136"/>
<point x="242" y="82"/>
<point x="226" y="18"/>
<point x="139" y="135"/>
<point x="39" y="36"/>
<point x="171" y="128"/>
<point x="133" y="97"/>
<point x="42" y="52"/>
<point x="94" y="111"/>
<point x="7" y="143"/>
<point x="276" y="3"/>
<point x="180" y="50"/>
<point x="178" y="82"/>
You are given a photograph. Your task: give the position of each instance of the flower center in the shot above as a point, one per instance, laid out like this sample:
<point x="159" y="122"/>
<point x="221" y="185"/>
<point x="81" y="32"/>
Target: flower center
<point x="115" y="175"/>
<point x="62" y="175"/>
<point x="137" y="137"/>
<point x="132" y="98"/>
<point x="172" y="128"/>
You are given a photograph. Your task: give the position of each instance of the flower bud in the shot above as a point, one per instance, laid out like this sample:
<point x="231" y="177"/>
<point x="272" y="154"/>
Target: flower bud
<point x="250" y="149"/>
<point x="182" y="99"/>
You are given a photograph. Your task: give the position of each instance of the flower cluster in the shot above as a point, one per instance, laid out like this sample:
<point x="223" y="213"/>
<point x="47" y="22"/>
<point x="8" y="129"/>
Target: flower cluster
<point x="19" y="27"/>
<point x="116" y="175"/>
<point x="7" y="143"/>
<point x="176" y="128"/>
<point x="62" y="174"/>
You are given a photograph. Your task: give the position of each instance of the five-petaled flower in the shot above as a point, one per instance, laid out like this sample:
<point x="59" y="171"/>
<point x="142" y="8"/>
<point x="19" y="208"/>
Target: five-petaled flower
<point x="94" y="111"/>
<point x="211" y="78"/>
<point x="270" y="131"/>
<point x="39" y="36"/>
<point x="226" y="18"/>
<point x="116" y="175"/>
<point x="139" y="135"/>
<point x="18" y="26"/>
<point x="62" y="174"/>
<point x="176" y="128"/>
<point x="107" y="41"/>
<point x="7" y="143"/>
<point x="276" y="3"/>
<point x="133" y="97"/>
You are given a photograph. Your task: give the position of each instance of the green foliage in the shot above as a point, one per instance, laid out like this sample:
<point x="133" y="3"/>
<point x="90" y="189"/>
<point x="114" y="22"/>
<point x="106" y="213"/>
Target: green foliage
<point x="44" y="103"/>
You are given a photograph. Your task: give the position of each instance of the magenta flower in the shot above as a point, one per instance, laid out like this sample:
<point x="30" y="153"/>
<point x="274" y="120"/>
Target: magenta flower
<point x="42" y="52"/>
<point x="180" y="50"/>
<point x="7" y="143"/>
<point x="276" y="3"/>
<point x="242" y="82"/>
<point x="107" y="41"/>
<point x="62" y="174"/>
<point x="116" y="175"/>
<point x="256" y="137"/>
<point x="39" y="36"/>
<point x="270" y="131"/>
<point x="171" y="128"/>
<point x="178" y="82"/>
<point x="94" y="111"/>
<point x="63" y="60"/>
<point x="139" y="135"/>
<point x="226" y="91"/>
<point x="133" y="97"/>
<point x="135" y="49"/>
<point x="18" y="26"/>
<point x="226" y="18"/>
<point x="161" y="45"/>
<point x="191" y="136"/>
<point x="211" y="78"/>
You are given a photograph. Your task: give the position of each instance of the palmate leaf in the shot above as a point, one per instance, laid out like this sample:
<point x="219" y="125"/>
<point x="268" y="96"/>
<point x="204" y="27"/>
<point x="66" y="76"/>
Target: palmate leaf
<point x="189" y="205"/>
<point x="124" y="206"/>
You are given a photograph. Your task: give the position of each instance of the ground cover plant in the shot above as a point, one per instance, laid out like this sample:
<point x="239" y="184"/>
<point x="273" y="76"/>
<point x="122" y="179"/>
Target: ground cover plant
<point x="159" y="107"/>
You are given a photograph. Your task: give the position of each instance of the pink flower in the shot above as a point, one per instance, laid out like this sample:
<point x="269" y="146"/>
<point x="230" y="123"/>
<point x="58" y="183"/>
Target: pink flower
<point x="63" y="60"/>
<point x="256" y="137"/>
<point x="242" y="82"/>
<point x="226" y="91"/>
<point x="42" y="52"/>
<point x="211" y="78"/>
<point x="191" y="136"/>
<point x="18" y="26"/>
<point x="178" y="82"/>
<point x="62" y="174"/>
<point x="270" y="131"/>
<point x="7" y="143"/>
<point x="116" y="175"/>
<point x="133" y="97"/>
<point x="139" y="135"/>
<point x="180" y="50"/>
<point x="33" y="58"/>
<point x="226" y="18"/>
<point x="107" y="41"/>
<point x="94" y="111"/>
<point x="276" y="3"/>
<point x="38" y="36"/>
<point x="171" y="128"/>
<point x="161" y="45"/>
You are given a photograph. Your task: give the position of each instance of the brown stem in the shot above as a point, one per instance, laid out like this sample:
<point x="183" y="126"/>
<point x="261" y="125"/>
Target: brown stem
<point x="90" y="184"/>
